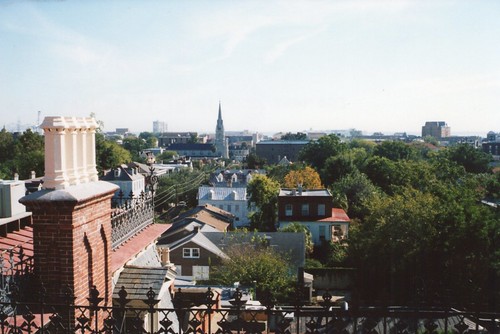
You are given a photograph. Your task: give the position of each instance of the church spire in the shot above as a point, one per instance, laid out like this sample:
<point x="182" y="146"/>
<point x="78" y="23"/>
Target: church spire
<point x="220" y="138"/>
<point x="220" y="111"/>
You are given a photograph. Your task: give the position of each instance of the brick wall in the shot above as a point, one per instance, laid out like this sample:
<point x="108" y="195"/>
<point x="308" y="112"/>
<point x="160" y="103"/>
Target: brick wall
<point x="72" y="242"/>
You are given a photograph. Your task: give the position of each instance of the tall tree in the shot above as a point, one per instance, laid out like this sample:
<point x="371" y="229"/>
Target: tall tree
<point x="109" y="154"/>
<point x="473" y="160"/>
<point x="6" y="146"/>
<point x="315" y="153"/>
<point x="263" y="196"/>
<point x="395" y="150"/>
<point x="29" y="154"/>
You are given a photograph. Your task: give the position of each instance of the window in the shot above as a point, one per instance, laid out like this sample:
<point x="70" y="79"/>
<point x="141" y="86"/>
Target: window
<point x="229" y="208"/>
<point x="201" y="272"/>
<point x="321" y="209"/>
<point x="288" y="210"/>
<point x="190" y="253"/>
<point x="236" y="208"/>
<point x="322" y="232"/>
<point x="305" y="210"/>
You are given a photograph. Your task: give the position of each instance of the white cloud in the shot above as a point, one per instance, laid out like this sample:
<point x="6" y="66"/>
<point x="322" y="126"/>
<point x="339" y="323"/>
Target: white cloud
<point x="279" y="49"/>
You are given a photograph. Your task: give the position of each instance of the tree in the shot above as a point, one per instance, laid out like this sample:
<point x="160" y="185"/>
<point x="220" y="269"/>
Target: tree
<point x="473" y="160"/>
<point x="193" y="139"/>
<point x="299" y="228"/>
<point x="253" y="161"/>
<point x="109" y="154"/>
<point x="294" y="136"/>
<point x="166" y="156"/>
<point x="263" y="195"/>
<point x="315" y="153"/>
<point x="29" y="154"/>
<point x="255" y="264"/>
<point x="307" y="177"/>
<point x="134" y="145"/>
<point x="336" y="167"/>
<point x="6" y="146"/>
<point x="395" y="150"/>
<point x="352" y="192"/>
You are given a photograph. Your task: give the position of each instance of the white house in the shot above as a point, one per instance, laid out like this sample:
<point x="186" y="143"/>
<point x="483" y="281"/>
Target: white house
<point x="232" y="200"/>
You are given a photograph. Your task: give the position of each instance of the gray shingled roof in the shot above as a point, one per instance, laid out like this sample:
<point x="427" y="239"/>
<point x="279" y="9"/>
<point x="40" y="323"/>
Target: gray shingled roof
<point x="137" y="281"/>
<point x="200" y="239"/>
<point x="222" y="193"/>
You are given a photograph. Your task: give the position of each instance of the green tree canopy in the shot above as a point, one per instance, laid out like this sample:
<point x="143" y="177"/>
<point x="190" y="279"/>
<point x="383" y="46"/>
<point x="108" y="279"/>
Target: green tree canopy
<point x="109" y="154"/>
<point x="473" y="160"/>
<point x="395" y="150"/>
<point x="294" y="136"/>
<point x="253" y="161"/>
<point x="6" y="146"/>
<point x="255" y="264"/>
<point x="316" y="152"/>
<point x="134" y="145"/>
<point x="263" y="195"/>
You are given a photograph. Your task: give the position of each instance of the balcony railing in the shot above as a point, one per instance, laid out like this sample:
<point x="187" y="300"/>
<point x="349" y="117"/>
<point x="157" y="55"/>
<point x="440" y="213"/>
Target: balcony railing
<point x="206" y="316"/>
<point x="130" y="214"/>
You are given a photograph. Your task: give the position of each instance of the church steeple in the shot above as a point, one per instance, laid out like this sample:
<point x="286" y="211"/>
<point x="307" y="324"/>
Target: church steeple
<point x="220" y="113"/>
<point x="220" y="138"/>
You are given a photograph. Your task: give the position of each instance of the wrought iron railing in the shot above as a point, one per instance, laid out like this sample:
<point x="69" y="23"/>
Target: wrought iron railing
<point x="15" y="266"/>
<point x="205" y="316"/>
<point x="130" y="214"/>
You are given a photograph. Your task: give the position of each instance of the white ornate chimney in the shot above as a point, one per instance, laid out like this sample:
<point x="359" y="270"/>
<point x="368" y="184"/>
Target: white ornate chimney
<point x="69" y="151"/>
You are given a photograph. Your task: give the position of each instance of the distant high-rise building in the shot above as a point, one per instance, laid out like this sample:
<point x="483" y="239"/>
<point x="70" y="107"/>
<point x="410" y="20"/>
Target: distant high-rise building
<point x="221" y="144"/>
<point x="159" y="127"/>
<point x="437" y="130"/>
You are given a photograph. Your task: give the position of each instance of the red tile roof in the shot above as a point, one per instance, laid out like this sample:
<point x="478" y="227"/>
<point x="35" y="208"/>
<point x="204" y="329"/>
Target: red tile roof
<point x="338" y="215"/>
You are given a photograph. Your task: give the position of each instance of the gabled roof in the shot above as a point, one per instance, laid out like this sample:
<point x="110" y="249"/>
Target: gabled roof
<point x="201" y="240"/>
<point x="212" y="213"/>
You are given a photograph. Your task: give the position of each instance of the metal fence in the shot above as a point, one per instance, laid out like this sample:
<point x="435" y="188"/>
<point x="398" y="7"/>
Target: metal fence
<point x="205" y="315"/>
<point x="129" y="215"/>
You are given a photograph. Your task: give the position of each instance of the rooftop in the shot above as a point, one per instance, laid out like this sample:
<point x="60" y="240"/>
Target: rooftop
<point x="305" y="192"/>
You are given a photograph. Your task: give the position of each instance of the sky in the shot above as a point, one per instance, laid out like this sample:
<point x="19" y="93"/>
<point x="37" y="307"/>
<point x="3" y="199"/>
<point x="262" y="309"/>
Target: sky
<point x="292" y="65"/>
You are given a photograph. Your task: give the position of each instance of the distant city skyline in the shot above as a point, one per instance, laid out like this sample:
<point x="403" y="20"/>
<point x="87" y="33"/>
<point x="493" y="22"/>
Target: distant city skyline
<point x="377" y="66"/>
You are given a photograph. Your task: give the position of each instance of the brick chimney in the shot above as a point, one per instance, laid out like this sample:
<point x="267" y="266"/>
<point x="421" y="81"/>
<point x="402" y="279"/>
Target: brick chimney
<point x="72" y="214"/>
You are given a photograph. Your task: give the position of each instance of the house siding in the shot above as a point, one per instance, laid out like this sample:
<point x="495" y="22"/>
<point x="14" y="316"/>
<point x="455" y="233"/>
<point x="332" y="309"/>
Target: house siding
<point x="206" y="258"/>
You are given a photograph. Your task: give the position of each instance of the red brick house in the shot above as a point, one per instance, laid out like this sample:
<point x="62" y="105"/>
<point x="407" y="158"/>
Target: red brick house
<point x="314" y="209"/>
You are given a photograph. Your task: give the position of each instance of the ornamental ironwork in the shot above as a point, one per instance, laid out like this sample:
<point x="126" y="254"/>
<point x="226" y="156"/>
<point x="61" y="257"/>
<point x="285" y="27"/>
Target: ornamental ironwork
<point x="130" y="214"/>
<point x="205" y="315"/>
